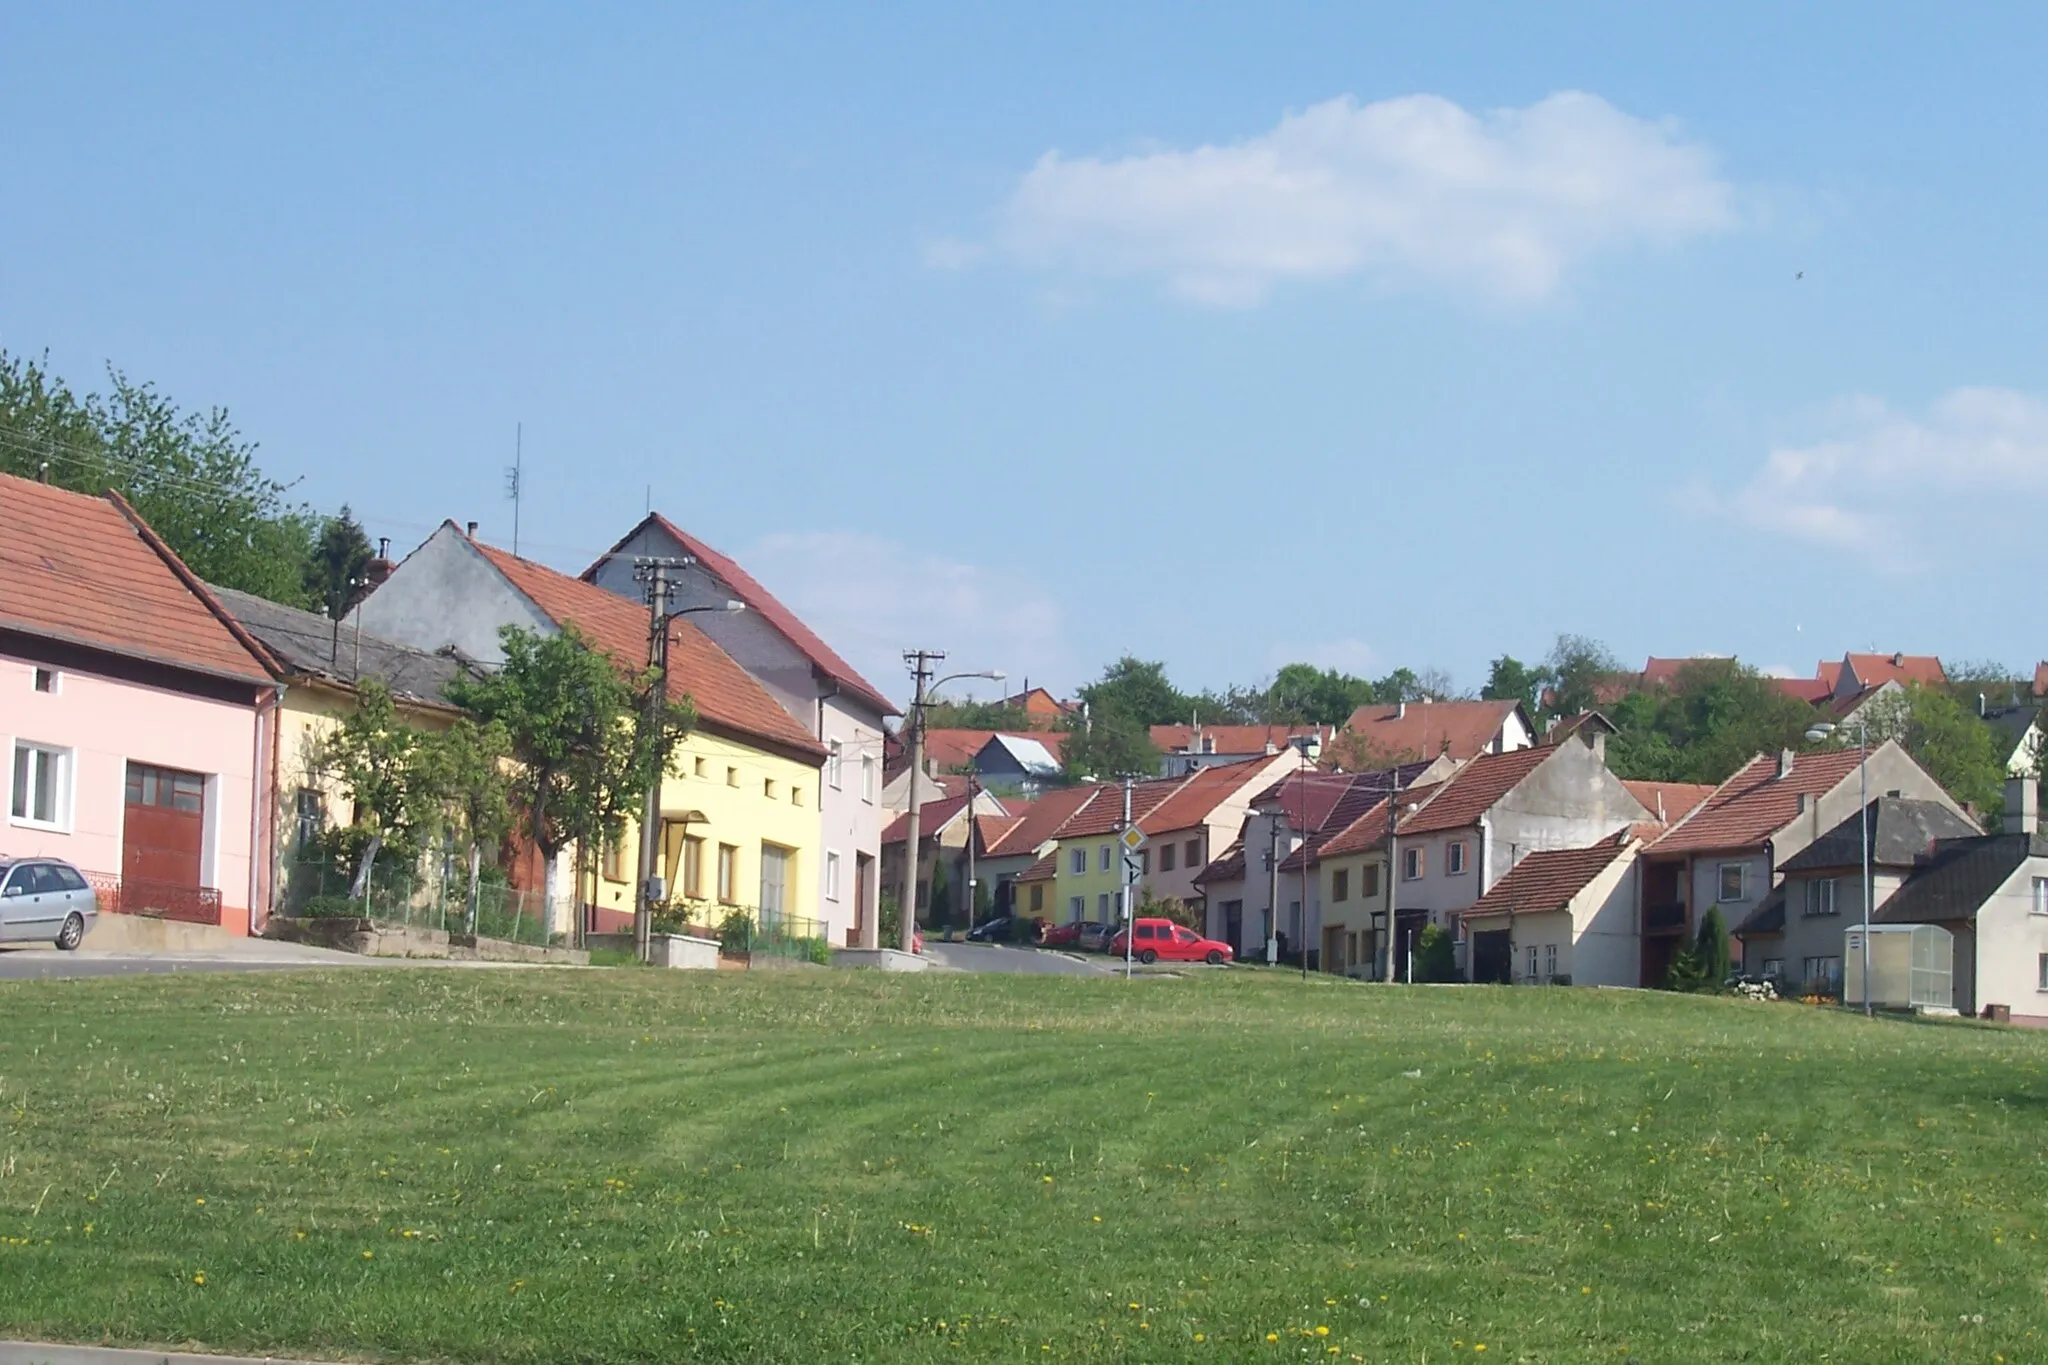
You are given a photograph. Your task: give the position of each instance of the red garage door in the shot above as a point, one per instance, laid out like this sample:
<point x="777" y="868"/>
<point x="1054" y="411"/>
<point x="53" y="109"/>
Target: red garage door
<point x="163" y="828"/>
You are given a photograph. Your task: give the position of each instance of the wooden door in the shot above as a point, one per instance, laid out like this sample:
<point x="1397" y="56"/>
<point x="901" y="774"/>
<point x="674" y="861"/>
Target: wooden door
<point x="163" y="827"/>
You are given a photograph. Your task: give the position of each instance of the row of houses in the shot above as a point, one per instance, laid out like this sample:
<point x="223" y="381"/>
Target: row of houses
<point x="160" y="729"/>
<point x="1541" y="863"/>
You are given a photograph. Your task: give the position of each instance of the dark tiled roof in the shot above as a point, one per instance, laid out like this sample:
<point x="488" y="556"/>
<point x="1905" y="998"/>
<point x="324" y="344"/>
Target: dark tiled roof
<point x="89" y="571"/>
<point x="726" y="696"/>
<point x="314" y="646"/>
<point x="1549" y="879"/>
<point x="1767" y="918"/>
<point x="764" y="604"/>
<point x="1902" y="830"/>
<point x="1756" y="803"/>
<point x="1225" y="867"/>
<point x="1955" y="880"/>
<point x="1473" y="790"/>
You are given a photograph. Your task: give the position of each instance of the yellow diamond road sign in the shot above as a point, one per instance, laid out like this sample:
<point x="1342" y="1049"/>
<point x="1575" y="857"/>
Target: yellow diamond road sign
<point x="1132" y="838"/>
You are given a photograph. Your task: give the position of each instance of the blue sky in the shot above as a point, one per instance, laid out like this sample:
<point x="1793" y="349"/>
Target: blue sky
<point x="1371" y="335"/>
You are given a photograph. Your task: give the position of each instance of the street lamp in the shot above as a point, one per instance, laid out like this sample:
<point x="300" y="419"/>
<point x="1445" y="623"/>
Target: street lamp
<point x="1311" y="747"/>
<point x="660" y="588"/>
<point x="1820" y="730"/>
<point x="920" y="661"/>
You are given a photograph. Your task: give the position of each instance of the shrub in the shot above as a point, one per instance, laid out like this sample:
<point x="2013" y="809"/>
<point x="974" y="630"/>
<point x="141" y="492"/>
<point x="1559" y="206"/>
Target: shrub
<point x="735" y="934"/>
<point x="816" y="950"/>
<point x="1685" y="973"/>
<point x="1710" y="950"/>
<point x="1436" y="955"/>
<point x="331" y="907"/>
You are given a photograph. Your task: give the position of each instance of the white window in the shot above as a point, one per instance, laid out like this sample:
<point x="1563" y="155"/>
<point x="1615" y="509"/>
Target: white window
<point x="1532" y="964"/>
<point x="2044" y="971"/>
<point x="1550" y="962"/>
<point x="1820" y="896"/>
<point x="1077" y="907"/>
<point x="832" y="765"/>
<point x="1731" y="882"/>
<point x="831" y="875"/>
<point x="1774" y="968"/>
<point x="2041" y="895"/>
<point x="1102" y="857"/>
<point x="1454" y="858"/>
<point x="1077" y="861"/>
<point x="1411" y="864"/>
<point x="867" y="777"/>
<point x="42" y="786"/>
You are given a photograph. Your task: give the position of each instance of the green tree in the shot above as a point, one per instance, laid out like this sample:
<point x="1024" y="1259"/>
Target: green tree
<point x="1710" y="949"/>
<point x="1716" y="715"/>
<point x="383" y="765"/>
<point x="1512" y="680"/>
<point x="1436" y="955"/>
<point x="192" y="476"/>
<point x="1138" y="689"/>
<point x="1579" y="670"/>
<point x="1302" y="694"/>
<point x="1947" y="738"/>
<point x="1108" y="744"/>
<point x="580" y="730"/>
<point x="977" y="715"/>
<point x="335" y="568"/>
<point x="938" y="906"/>
<point x="468" y="762"/>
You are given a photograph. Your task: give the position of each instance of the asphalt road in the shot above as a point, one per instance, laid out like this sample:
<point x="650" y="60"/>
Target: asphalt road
<point x="992" y="957"/>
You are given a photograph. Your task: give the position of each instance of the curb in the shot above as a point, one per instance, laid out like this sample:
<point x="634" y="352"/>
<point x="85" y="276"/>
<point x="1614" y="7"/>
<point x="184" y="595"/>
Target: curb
<point x="47" y="1353"/>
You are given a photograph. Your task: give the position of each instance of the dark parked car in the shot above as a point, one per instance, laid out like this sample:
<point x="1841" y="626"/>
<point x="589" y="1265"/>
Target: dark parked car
<point x="989" y="931"/>
<point x="1013" y="929"/>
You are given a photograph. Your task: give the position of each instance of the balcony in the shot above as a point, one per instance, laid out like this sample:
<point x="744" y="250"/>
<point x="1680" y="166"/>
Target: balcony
<point x="1665" y="918"/>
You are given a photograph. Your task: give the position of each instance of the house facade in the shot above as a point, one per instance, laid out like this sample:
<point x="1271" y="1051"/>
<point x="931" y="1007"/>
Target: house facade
<point x="740" y="828"/>
<point x="135" y="715"/>
<point x="837" y="708"/>
<point x="1419" y="731"/>
<point x="1184" y="748"/>
<point x="1562" y="916"/>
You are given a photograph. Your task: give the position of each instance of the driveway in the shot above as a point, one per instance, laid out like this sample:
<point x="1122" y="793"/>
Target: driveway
<point x="993" y="957"/>
<point x="251" y="955"/>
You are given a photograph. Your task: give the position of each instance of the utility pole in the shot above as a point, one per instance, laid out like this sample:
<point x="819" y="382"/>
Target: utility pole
<point x="973" y="795"/>
<point x="655" y="574"/>
<point x="515" y="477"/>
<point x="921" y="663"/>
<point x="1124" y="893"/>
<point x="1273" y="886"/>
<point x="1393" y="870"/>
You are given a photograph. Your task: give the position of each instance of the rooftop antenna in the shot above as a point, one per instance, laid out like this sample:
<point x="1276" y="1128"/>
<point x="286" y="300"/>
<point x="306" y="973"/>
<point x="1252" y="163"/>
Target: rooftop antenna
<point x="512" y="478"/>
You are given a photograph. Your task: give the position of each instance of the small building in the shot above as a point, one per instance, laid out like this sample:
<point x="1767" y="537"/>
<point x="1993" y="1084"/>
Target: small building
<point x="1564" y="916"/>
<point x="1418" y="731"/>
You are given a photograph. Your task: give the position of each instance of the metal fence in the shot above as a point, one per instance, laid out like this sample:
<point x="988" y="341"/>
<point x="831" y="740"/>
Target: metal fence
<point x="427" y="898"/>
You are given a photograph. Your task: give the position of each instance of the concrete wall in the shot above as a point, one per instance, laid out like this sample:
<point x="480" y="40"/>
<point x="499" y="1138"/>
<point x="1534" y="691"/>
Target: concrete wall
<point x="102" y="724"/>
<point x="446" y="593"/>
<point x="2010" y="940"/>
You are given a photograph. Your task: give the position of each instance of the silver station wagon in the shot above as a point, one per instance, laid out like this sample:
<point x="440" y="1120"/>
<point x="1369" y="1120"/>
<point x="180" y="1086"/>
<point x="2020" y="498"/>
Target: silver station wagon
<point x="45" y="900"/>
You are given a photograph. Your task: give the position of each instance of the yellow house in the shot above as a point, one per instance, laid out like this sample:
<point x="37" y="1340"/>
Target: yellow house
<point x="320" y="664"/>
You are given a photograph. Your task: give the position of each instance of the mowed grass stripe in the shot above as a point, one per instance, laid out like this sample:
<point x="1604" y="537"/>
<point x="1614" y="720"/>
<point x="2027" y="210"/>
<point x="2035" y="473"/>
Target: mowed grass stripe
<point x="645" y="1166"/>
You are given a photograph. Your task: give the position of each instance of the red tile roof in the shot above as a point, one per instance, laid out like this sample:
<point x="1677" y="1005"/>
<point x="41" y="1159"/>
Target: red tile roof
<point x="765" y="604"/>
<point x="1814" y="690"/>
<point x="1425" y="729"/>
<point x="1664" y="672"/>
<point x="1201" y="792"/>
<point x="1548" y="880"/>
<point x="1233" y="739"/>
<point x="1044" y="870"/>
<point x="993" y="828"/>
<point x="1106" y="812"/>
<point x="1672" y="800"/>
<point x="726" y="696"/>
<point x="1829" y="673"/>
<point x="1042" y="820"/>
<point x="1473" y="790"/>
<point x="1872" y="669"/>
<point x="90" y="571"/>
<point x="1756" y="803"/>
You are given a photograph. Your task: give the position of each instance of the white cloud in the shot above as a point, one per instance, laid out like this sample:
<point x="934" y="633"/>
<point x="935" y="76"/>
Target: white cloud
<point x="871" y="598"/>
<point x="1415" y="188"/>
<point x="1898" y="488"/>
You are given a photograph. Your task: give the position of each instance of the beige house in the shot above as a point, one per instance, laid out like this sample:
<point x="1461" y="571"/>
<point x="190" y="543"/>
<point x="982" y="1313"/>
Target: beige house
<point x="1561" y="917"/>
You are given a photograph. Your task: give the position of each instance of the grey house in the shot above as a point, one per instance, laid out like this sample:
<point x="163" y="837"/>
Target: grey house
<point x="1795" y="934"/>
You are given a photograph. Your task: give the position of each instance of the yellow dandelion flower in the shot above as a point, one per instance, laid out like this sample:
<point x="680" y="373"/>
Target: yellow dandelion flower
<point x="369" y="1255"/>
<point x="199" y="1201"/>
<point x="200" y="1278"/>
<point x="1200" y="1337"/>
<point x="1272" y="1336"/>
<point x="1585" y="1289"/>
<point x="1322" y="1331"/>
<point x="1480" y="1347"/>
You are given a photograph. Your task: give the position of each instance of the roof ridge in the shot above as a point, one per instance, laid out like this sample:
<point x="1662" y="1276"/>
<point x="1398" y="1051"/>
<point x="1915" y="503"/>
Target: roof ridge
<point x="269" y="662"/>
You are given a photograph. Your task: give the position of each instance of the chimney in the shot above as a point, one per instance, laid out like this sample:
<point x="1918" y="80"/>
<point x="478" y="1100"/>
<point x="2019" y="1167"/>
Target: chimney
<point x="1784" y="764"/>
<point x="379" y="569"/>
<point x="1898" y="661"/>
<point x="469" y="529"/>
<point x="1983" y="706"/>
<point x="1662" y="818"/>
<point x="1400" y="710"/>
<point x="2022" y="806"/>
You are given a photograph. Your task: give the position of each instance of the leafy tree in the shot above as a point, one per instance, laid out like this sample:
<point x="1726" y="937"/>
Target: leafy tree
<point x="1108" y="744"/>
<point x="1302" y="694"/>
<point x="1710" y="949"/>
<point x="979" y="715"/>
<point x="938" y="909"/>
<point x="579" y="727"/>
<point x="1436" y="955"/>
<point x="1232" y="706"/>
<point x="335" y="568"/>
<point x="192" y="476"/>
<point x="1947" y="738"/>
<point x="1139" y="690"/>
<point x="1579" y="668"/>
<point x="382" y="763"/>
<point x="1685" y="972"/>
<point x="1352" y="752"/>
<point x="468" y="764"/>
<point x="1716" y="715"/>
<point x="1512" y="680"/>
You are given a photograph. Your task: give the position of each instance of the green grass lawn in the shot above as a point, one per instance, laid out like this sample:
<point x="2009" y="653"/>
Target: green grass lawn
<point x="599" y="1166"/>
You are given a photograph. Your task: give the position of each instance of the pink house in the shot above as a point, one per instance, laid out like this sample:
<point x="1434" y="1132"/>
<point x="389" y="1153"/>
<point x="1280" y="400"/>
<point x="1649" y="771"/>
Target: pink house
<point x="135" y="714"/>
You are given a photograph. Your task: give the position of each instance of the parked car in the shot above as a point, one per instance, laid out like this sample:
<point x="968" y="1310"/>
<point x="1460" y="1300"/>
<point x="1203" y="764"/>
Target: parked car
<point x="990" y="931"/>
<point x="1069" y="935"/>
<point x="1163" y="940"/>
<point x="45" y="900"/>
<point x="1095" y="936"/>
